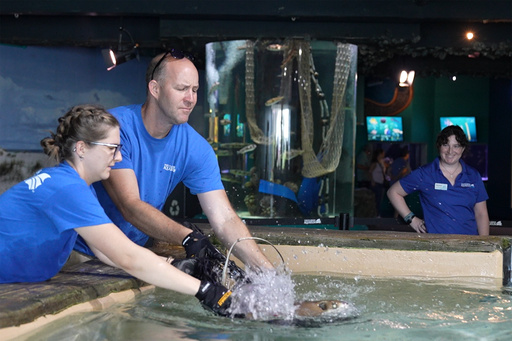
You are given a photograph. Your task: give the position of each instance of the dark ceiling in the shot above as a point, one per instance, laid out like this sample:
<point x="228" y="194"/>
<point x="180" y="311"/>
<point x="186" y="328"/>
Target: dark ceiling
<point x="425" y="35"/>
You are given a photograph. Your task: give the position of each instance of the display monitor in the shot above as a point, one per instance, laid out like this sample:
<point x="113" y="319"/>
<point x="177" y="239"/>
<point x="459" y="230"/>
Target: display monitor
<point x="384" y="128"/>
<point x="467" y="123"/>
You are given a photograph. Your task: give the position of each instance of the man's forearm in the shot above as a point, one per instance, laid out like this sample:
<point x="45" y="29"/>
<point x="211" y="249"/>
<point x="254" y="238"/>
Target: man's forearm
<point x="246" y="249"/>
<point x="155" y="223"/>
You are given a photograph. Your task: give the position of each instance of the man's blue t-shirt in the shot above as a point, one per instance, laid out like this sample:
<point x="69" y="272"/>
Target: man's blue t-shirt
<point x="448" y="209"/>
<point x="37" y="221"/>
<point x="159" y="165"/>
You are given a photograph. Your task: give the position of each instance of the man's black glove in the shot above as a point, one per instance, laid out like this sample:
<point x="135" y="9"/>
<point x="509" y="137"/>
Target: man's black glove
<point x="215" y="297"/>
<point x="196" y="243"/>
<point x="211" y="261"/>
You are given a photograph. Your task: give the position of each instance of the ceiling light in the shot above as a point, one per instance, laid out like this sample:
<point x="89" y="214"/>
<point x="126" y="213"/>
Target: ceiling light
<point x="406" y="78"/>
<point x="113" y="58"/>
<point x="410" y="77"/>
<point x="123" y="53"/>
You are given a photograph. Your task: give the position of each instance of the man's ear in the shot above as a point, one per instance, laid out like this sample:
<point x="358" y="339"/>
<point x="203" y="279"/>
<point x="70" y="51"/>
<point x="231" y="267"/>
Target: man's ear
<point x="154" y="88"/>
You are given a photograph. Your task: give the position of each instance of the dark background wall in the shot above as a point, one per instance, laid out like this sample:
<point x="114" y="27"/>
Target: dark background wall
<point x="424" y="35"/>
<point x="43" y="90"/>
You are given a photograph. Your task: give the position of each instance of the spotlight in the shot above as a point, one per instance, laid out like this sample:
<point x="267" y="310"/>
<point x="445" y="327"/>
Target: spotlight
<point x="113" y="58"/>
<point x="406" y="78"/>
<point x="123" y="53"/>
<point x="470" y="35"/>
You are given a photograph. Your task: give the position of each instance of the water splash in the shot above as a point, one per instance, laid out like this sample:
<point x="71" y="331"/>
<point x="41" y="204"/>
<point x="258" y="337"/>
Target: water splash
<point x="269" y="295"/>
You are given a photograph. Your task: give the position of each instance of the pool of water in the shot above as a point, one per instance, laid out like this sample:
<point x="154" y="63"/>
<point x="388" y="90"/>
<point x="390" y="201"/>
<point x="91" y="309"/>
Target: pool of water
<point x="382" y="309"/>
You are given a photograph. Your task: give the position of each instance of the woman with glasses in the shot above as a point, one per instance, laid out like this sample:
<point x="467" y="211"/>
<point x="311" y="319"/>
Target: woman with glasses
<point x="452" y="193"/>
<point x="41" y="217"/>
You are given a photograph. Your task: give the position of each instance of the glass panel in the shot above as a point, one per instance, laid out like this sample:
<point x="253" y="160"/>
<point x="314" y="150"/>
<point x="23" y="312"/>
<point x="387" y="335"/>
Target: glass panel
<point x="282" y="122"/>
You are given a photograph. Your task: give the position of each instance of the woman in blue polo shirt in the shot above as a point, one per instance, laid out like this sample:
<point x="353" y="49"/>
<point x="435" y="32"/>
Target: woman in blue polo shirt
<point x="452" y="194"/>
<point x="41" y="217"/>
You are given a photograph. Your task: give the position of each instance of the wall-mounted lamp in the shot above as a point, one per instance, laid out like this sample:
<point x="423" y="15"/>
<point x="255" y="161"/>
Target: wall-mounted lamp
<point x="406" y="78"/>
<point x="113" y="58"/>
<point x="123" y="53"/>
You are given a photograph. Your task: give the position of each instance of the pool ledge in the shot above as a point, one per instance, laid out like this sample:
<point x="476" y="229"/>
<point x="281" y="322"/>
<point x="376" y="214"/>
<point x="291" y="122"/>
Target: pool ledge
<point x="91" y="286"/>
<point x="98" y="304"/>
<point x="85" y="286"/>
<point x="388" y="254"/>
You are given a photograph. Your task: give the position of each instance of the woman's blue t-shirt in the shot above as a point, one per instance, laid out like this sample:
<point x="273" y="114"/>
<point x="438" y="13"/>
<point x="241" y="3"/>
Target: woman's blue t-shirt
<point x="37" y="221"/>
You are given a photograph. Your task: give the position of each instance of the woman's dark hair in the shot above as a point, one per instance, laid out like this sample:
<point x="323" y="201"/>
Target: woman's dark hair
<point x="442" y="137"/>
<point x="81" y="123"/>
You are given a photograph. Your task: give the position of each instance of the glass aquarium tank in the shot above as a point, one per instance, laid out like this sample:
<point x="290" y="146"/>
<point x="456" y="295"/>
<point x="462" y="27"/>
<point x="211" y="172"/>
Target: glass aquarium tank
<point x="281" y="118"/>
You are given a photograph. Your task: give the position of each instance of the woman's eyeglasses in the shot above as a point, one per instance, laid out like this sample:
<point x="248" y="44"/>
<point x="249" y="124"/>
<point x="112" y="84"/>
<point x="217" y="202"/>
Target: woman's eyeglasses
<point x="117" y="147"/>
<point x="175" y="54"/>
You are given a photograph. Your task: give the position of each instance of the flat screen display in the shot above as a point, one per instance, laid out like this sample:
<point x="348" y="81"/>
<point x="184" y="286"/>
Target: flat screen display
<point x="467" y="123"/>
<point x="384" y="128"/>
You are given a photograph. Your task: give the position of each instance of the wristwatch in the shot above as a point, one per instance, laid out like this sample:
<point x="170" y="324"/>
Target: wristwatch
<point x="408" y="218"/>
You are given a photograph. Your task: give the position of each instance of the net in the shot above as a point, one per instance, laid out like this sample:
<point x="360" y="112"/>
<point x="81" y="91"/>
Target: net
<point x="297" y="55"/>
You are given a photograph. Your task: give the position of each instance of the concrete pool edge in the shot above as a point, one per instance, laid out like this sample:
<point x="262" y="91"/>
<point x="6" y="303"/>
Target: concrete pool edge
<point x="389" y="263"/>
<point x="345" y="252"/>
<point x="388" y="254"/>
<point x="98" y="304"/>
<point x="391" y="254"/>
<point x="23" y="303"/>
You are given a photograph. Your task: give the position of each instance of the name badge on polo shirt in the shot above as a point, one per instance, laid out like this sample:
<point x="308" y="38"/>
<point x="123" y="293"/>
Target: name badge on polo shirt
<point x="440" y="187"/>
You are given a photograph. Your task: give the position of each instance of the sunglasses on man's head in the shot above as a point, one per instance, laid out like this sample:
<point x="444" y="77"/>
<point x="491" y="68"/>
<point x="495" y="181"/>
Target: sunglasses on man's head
<point x="173" y="53"/>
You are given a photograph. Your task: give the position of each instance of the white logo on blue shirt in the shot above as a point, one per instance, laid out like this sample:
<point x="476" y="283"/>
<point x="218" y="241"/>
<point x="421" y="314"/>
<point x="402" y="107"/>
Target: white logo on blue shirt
<point x="467" y="184"/>
<point x="169" y="168"/>
<point x="36" y="181"/>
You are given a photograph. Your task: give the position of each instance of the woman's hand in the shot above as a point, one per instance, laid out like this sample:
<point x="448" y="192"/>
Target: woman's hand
<point x="418" y="225"/>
